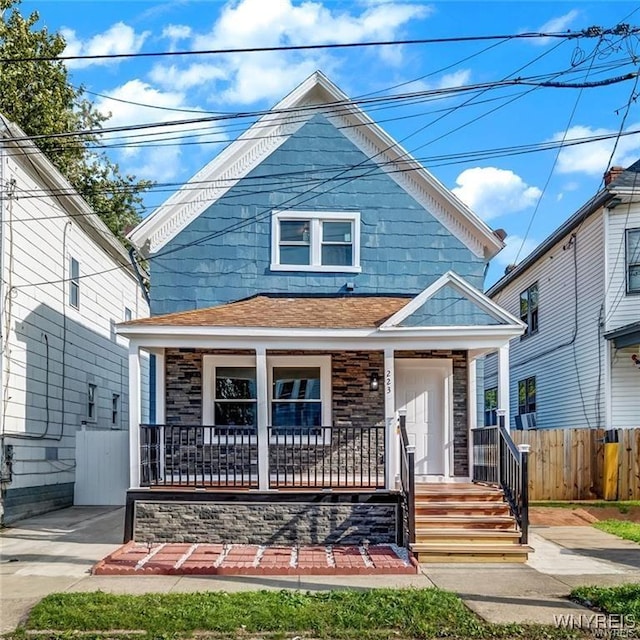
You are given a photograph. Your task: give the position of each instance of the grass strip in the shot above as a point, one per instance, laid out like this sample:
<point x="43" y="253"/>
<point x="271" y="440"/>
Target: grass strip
<point x="376" y="613"/>
<point x="621" y="528"/>
<point x="622" y="505"/>
<point x="620" y="600"/>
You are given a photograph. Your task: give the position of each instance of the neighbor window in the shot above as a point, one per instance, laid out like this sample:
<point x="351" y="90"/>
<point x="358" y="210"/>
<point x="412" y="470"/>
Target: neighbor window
<point x="310" y="241"/>
<point x="115" y="409"/>
<point x="127" y="314"/>
<point x="491" y="407"/>
<point x="633" y="260"/>
<point x="74" y="283"/>
<point x="527" y="395"/>
<point x="91" y="402"/>
<point x="529" y="309"/>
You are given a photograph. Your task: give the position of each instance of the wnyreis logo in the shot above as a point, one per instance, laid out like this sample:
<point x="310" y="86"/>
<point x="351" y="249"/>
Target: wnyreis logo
<point x="602" y="625"/>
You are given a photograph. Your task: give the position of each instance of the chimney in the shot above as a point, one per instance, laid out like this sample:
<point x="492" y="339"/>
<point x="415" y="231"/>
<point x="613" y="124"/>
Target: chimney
<point x="500" y="234"/>
<point x="509" y="268"/>
<point x="612" y="174"/>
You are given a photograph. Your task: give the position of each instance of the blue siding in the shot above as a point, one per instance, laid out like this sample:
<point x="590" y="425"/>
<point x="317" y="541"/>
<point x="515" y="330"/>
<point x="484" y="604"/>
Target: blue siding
<point x="447" y="307"/>
<point x="403" y="247"/>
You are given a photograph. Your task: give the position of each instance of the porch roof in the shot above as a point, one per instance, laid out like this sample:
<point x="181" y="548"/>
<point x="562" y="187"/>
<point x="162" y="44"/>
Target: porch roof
<point x="287" y="312"/>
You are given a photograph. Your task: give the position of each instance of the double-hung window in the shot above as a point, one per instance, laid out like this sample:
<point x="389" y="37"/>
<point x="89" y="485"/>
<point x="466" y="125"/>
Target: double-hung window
<point x="527" y="395"/>
<point x="633" y="260"/>
<point x="529" y="309"/>
<point x="315" y="241"/>
<point x="92" y="413"/>
<point x="74" y="283"/>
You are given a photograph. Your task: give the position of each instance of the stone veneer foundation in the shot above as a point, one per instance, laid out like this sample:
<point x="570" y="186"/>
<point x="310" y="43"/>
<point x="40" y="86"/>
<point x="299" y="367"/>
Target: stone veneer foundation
<point x="271" y="523"/>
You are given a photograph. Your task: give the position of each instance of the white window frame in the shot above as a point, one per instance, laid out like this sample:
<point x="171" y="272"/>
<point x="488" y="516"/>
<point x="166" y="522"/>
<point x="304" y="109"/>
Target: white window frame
<point x="627" y="261"/>
<point x="315" y="218"/>
<point x="115" y="409"/>
<point x="324" y="363"/>
<point x="210" y="362"/>
<point x="74" y="283"/>
<point x="209" y="365"/>
<point x="92" y="402"/>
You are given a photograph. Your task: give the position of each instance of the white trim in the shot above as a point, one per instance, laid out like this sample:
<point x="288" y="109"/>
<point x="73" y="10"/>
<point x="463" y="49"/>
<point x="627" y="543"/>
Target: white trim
<point x="262" y="417"/>
<point x="134" y="415"/>
<point x="478" y="331"/>
<point x="504" y="403"/>
<point x="209" y="364"/>
<point x="317" y="94"/>
<point x="472" y="407"/>
<point x="321" y="361"/>
<point x="463" y="288"/>
<point x="445" y="367"/>
<point x="315" y="240"/>
<point x="392" y="436"/>
<point x="159" y="382"/>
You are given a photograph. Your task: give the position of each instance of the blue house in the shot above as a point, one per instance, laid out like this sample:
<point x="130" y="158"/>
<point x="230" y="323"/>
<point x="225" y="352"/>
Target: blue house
<point x="316" y="317"/>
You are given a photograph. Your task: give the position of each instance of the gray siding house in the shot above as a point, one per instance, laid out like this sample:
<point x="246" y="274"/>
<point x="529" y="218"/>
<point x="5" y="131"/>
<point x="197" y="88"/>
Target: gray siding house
<point x="310" y="284"/>
<point x="577" y="364"/>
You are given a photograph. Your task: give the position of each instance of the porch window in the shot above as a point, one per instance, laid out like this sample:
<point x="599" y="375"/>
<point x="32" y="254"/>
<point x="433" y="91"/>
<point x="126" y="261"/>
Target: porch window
<point x="235" y="398"/>
<point x="529" y="309"/>
<point x="527" y="395"/>
<point x="315" y="241"/>
<point x="491" y="407"/>
<point x="633" y="260"/>
<point x="296" y="400"/>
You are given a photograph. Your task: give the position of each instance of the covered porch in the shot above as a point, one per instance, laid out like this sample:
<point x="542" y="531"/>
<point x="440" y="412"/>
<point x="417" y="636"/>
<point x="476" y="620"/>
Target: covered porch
<point x="297" y="401"/>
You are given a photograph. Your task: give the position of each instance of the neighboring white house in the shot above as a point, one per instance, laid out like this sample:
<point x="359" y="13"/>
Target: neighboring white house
<point x="578" y="363"/>
<point x="66" y="281"/>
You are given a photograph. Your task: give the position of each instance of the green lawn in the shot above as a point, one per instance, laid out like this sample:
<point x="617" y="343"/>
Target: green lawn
<point x="622" y="505"/>
<point x="620" y="528"/>
<point x="622" y="600"/>
<point x="374" y="614"/>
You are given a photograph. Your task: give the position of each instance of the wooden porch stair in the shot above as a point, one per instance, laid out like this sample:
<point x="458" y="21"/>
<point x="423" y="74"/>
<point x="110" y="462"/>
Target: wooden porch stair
<point x="465" y="523"/>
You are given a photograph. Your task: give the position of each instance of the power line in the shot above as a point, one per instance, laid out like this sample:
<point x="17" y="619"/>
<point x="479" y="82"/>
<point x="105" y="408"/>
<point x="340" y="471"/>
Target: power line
<point x="591" y="32"/>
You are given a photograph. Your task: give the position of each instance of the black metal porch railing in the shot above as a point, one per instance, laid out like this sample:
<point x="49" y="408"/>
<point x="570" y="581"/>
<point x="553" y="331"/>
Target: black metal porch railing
<point x="497" y="460"/>
<point x="407" y="479"/>
<point x="197" y="456"/>
<point x="327" y="457"/>
<point x="298" y="457"/>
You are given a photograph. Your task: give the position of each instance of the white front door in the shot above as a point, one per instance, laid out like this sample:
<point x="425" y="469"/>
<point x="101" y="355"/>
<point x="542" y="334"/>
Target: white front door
<point x="421" y="391"/>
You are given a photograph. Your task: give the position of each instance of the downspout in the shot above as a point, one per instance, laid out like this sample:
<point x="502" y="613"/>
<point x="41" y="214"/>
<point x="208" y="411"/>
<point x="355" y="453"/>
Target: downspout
<point x="134" y="265"/>
<point x="64" y="325"/>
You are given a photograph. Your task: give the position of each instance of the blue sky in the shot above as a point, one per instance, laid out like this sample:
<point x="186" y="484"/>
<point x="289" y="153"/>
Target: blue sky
<point x="527" y="194"/>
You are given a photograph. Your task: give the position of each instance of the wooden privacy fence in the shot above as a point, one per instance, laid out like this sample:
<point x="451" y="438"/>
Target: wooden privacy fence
<point x="568" y="464"/>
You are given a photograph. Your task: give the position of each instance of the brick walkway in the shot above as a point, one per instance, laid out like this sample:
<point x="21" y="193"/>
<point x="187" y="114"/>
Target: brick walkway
<point x="239" y="559"/>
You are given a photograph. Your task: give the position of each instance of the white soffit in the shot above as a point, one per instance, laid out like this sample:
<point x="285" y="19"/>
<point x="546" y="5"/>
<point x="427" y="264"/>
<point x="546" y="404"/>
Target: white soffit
<point x="317" y="94"/>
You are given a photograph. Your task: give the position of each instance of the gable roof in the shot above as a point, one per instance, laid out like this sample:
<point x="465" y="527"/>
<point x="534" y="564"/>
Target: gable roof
<point x="626" y="182"/>
<point x="480" y="302"/>
<point x="22" y="150"/>
<point x="317" y="94"/>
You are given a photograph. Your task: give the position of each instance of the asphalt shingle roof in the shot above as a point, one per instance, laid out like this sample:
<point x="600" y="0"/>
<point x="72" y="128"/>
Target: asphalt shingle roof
<point x="344" y="312"/>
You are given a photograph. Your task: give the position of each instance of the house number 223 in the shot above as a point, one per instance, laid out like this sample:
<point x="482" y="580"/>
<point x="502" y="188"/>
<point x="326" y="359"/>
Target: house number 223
<point x="388" y="380"/>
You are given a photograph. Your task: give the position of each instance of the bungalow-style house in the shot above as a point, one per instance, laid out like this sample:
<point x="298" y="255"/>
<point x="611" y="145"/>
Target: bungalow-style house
<point x="316" y="318"/>
<point x="66" y="282"/>
<point x="578" y="362"/>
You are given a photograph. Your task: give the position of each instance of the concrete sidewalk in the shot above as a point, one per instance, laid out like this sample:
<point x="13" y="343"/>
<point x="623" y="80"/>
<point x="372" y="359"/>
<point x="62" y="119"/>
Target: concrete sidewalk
<point x="55" y="552"/>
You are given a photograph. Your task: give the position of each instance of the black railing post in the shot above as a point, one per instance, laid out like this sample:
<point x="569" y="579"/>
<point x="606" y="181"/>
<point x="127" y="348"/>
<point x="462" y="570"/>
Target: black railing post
<point x="524" y="471"/>
<point x="409" y="490"/>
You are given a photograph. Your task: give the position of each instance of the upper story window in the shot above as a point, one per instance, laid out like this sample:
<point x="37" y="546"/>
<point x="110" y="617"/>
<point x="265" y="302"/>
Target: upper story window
<point x="529" y="309"/>
<point x="127" y="314"/>
<point x="115" y="409"/>
<point x="491" y="407"/>
<point x="74" y="283"/>
<point x="91" y="402"/>
<point x="315" y="241"/>
<point x="527" y="395"/>
<point x="633" y="261"/>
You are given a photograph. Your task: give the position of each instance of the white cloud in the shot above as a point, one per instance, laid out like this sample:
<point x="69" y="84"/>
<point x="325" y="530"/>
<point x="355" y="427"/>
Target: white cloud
<point x="455" y="79"/>
<point x="176" y="31"/>
<point x="491" y="192"/>
<point x="592" y="158"/>
<point x="118" y="38"/>
<point x="159" y="162"/>
<point x="555" y="25"/>
<point x="515" y="250"/>
<point x="250" y="78"/>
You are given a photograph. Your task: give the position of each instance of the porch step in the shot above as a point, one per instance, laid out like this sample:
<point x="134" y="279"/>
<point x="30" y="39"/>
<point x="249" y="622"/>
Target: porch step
<point x="425" y="493"/>
<point x="465" y="521"/>
<point x="468" y="536"/>
<point x="489" y="508"/>
<point x="430" y="553"/>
